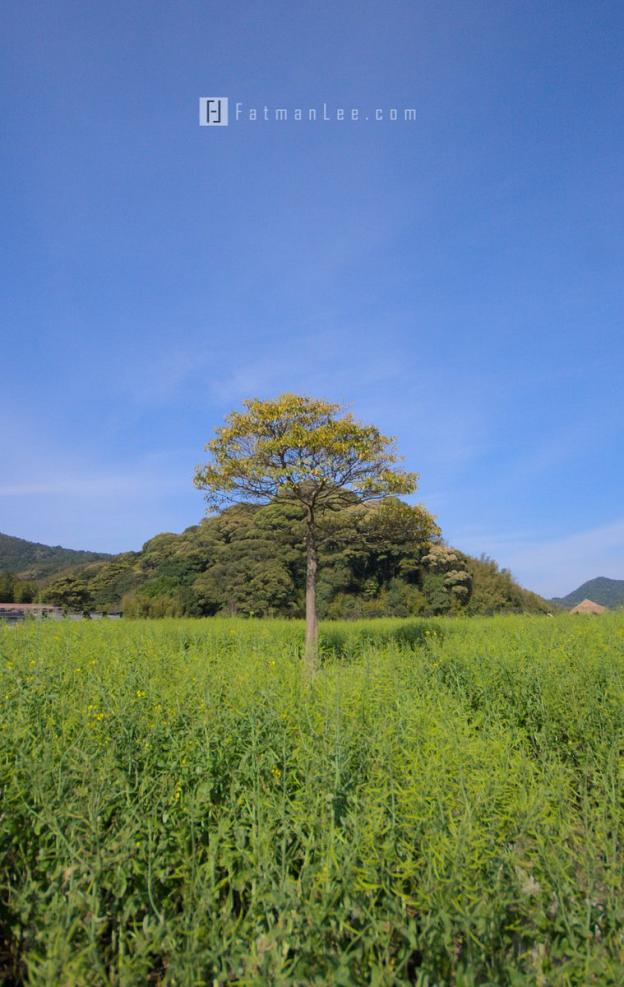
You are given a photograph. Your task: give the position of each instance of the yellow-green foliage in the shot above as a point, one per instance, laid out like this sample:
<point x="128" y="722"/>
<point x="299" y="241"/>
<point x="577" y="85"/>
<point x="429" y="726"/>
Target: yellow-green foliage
<point x="441" y="804"/>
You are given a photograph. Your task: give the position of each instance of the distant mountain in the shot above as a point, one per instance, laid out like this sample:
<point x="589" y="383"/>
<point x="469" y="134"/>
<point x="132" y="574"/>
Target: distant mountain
<point x="30" y="560"/>
<point x="608" y="592"/>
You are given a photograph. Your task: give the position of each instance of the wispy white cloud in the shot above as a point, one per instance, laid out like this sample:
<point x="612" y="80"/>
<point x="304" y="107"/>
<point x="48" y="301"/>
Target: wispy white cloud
<point x="296" y="371"/>
<point x="160" y="378"/>
<point x="105" y="511"/>
<point x="73" y="497"/>
<point x="554" y="566"/>
<point x="36" y="465"/>
<point x="86" y="484"/>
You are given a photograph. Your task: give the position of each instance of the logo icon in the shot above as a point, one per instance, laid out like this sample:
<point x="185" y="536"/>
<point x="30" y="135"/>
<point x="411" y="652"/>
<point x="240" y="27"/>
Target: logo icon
<point x="213" y="111"/>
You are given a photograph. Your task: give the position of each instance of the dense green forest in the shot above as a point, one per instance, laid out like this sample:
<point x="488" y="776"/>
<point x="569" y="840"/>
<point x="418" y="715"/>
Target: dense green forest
<point x="381" y="559"/>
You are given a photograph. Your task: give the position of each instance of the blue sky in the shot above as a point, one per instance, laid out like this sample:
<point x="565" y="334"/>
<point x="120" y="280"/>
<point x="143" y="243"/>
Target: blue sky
<point x="456" y="280"/>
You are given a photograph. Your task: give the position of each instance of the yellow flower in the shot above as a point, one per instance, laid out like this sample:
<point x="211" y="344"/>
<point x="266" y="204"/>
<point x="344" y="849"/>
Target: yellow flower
<point x="276" y="773"/>
<point x="141" y="693"/>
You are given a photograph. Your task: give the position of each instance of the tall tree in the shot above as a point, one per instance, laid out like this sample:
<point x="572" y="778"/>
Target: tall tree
<point x="71" y="593"/>
<point x="306" y="451"/>
<point x="7" y="587"/>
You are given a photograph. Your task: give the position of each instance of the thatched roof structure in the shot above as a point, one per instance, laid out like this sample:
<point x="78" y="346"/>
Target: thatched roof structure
<point x="588" y="606"/>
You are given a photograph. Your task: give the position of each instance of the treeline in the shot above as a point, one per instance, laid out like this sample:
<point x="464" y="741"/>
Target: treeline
<point x="16" y="590"/>
<point x="382" y="559"/>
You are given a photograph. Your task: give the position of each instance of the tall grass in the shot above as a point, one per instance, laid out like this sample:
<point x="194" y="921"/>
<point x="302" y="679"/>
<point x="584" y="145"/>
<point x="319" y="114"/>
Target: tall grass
<point x="442" y="804"/>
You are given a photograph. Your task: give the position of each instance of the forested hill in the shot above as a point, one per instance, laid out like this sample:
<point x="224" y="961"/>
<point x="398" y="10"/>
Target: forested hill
<point x="607" y="592"/>
<point x="30" y="560"/>
<point x="380" y="559"/>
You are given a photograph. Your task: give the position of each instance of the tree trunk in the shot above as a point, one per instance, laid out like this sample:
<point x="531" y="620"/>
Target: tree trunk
<point x="310" y="656"/>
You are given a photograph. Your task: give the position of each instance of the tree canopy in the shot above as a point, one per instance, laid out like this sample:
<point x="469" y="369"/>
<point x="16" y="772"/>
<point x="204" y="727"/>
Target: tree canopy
<point x="301" y="450"/>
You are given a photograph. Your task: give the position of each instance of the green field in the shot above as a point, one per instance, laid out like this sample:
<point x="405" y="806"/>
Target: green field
<point x="442" y="804"/>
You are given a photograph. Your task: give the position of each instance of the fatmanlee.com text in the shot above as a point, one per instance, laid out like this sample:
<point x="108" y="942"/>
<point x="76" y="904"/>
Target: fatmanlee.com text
<point x="214" y="111"/>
